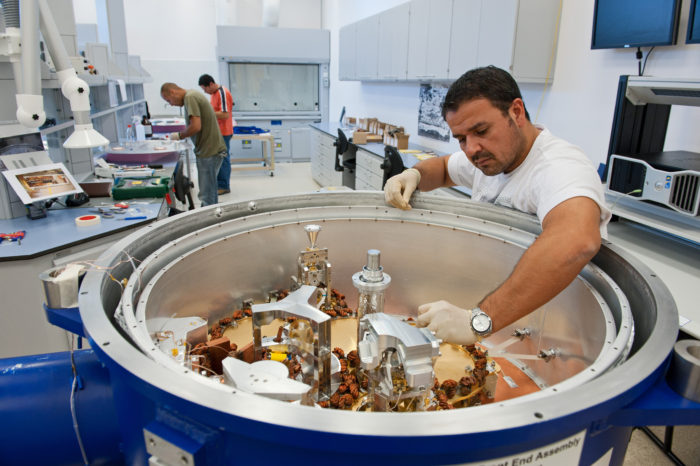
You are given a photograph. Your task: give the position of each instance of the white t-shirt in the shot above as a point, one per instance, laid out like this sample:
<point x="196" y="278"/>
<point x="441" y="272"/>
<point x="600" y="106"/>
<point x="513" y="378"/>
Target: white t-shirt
<point x="553" y="171"/>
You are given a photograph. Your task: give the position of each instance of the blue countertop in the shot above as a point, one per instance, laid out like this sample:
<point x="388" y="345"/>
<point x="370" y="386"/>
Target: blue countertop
<point x="58" y="229"/>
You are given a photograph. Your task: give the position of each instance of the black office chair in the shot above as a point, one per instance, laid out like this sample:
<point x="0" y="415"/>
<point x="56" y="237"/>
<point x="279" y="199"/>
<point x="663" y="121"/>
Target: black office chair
<point x="392" y="164"/>
<point x="341" y="146"/>
<point x="182" y="187"/>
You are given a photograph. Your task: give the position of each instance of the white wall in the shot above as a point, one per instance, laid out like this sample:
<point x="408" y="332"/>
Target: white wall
<point x="305" y="14"/>
<point x="579" y="104"/>
<point x="176" y="39"/>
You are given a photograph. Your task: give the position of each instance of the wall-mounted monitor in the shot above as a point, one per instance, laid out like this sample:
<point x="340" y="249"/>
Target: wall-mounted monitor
<point x="634" y="23"/>
<point x="693" y="36"/>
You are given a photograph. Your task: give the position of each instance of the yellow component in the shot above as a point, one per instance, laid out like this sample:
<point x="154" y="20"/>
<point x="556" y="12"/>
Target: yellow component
<point x="278" y="348"/>
<point x="278" y="356"/>
<point x="174" y="351"/>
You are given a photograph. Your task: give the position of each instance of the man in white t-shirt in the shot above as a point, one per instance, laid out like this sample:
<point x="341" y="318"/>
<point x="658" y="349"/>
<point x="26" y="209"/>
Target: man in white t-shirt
<point x="507" y="160"/>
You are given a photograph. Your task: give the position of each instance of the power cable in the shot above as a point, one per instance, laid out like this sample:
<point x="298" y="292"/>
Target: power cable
<point x="73" y="413"/>
<point x="645" y="60"/>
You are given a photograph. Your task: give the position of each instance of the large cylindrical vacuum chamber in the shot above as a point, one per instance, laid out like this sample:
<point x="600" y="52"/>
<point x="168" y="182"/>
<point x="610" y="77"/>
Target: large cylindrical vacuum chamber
<point x="609" y="332"/>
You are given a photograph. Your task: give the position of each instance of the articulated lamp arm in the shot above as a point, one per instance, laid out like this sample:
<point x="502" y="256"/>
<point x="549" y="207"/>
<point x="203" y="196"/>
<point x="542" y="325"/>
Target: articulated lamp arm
<point x="74" y="89"/>
<point x="30" y="105"/>
<point x="30" y="102"/>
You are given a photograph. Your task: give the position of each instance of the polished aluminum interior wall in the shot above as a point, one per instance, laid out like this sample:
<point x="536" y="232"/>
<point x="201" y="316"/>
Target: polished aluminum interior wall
<point x="427" y="262"/>
<point x="162" y="243"/>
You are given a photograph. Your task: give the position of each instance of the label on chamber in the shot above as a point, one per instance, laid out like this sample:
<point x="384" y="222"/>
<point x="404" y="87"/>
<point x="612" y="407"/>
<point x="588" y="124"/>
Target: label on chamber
<point x="564" y="451"/>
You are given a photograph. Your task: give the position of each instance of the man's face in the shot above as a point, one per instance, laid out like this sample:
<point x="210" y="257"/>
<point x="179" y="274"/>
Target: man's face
<point x="492" y="141"/>
<point x="210" y="89"/>
<point x="172" y="98"/>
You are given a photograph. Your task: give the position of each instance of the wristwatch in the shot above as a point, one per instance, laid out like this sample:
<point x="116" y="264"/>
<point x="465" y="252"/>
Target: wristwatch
<point x="481" y="323"/>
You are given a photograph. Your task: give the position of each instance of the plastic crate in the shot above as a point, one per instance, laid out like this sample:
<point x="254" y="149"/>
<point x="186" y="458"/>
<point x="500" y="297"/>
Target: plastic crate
<point x="130" y="188"/>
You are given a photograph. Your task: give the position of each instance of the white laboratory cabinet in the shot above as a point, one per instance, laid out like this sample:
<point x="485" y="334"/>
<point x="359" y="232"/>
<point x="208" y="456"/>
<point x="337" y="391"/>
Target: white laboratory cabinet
<point x="464" y="37"/>
<point x="347" y="36"/>
<point x="393" y="43"/>
<point x="429" y="39"/>
<point x="441" y="39"/>
<point x="368" y="171"/>
<point x="323" y="160"/>
<point x="367" y="55"/>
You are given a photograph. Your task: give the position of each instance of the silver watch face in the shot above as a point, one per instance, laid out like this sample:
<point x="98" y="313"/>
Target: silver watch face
<point x="481" y="323"/>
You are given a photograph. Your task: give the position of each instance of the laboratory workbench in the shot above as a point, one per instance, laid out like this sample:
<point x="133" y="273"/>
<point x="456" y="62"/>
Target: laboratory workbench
<point x="369" y="157"/>
<point x="58" y="230"/>
<point x="54" y="240"/>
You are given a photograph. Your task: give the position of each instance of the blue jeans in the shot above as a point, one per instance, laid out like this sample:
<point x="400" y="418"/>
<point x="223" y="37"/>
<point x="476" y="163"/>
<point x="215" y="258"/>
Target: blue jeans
<point x="207" y="169"/>
<point x="223" y="179"/>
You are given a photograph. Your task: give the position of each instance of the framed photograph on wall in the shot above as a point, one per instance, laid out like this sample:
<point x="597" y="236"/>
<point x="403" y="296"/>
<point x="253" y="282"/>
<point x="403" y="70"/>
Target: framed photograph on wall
<point x="430" y="121"/>
<point x="42" y="182"/>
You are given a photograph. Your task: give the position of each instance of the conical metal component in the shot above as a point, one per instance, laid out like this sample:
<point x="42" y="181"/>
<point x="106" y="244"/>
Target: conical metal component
<point x="312" y="231"/>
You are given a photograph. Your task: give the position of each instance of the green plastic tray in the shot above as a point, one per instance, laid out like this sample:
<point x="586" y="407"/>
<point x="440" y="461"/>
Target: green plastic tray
<point x="130" y="188"/>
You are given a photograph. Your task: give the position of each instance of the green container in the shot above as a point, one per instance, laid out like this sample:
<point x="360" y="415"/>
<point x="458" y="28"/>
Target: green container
<point x="130" y="188"/>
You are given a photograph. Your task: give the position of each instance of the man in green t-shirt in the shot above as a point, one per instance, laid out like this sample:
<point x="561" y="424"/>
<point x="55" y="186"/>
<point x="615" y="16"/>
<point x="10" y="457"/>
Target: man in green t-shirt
<point x="209" y="146"/>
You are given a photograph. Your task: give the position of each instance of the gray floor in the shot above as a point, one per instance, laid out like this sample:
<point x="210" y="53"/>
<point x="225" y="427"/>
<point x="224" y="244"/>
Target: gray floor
<point x="290" y="178"/>
<point x="686" y="446"/>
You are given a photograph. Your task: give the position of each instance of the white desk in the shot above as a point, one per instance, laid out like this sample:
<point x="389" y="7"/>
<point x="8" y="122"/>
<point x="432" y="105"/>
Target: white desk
<point x="676" y="262"/>
<point x="268" y="163"/>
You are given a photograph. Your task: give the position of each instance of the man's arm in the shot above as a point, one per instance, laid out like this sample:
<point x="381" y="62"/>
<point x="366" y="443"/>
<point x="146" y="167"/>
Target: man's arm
<point x="569" y="240"/>
<point x="194" y="127"/>
<point x="433" y="173"/>
<point x="222" y="115"/>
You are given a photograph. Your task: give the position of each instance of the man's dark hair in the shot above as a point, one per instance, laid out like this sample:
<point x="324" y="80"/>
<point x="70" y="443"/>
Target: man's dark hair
<point x="490" y="83"/>
<point x="205" y="80"/>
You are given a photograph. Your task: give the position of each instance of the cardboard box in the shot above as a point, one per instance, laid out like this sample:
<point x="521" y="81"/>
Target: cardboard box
<point x="402" y="141"/>
<point x="364" y="137"/>
<point x="359" y="137"/>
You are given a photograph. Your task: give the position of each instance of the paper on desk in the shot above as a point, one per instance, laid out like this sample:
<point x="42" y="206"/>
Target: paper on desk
<point x="419" y="154"/>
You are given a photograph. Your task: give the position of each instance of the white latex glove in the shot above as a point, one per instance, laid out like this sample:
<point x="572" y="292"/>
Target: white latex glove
<point x="398" y="188"/>
<point x="174" y="136"/>
<point x="450" y="323"/>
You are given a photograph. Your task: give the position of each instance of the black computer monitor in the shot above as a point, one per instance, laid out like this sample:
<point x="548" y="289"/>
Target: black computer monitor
<point x="342" y="115"/>
<point x="634" y="23"/>
<point x="693" y="36"/>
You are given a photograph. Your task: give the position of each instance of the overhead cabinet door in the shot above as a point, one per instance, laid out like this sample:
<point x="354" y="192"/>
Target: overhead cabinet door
<point x="464" y="39"/>
<point x="497" y="33"/>
<point x="347" y="45"/>
<point x="367" y="41"/>
<point x="429" y="39"/>
<point x="393" y="43"/>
